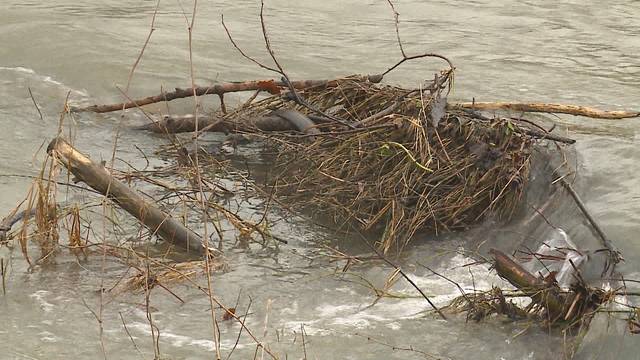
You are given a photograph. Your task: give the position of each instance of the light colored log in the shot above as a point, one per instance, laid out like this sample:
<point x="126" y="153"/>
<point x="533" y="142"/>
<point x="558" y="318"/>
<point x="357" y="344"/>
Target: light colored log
<point x="545" y="108"/>
<point x="97" y="177"/>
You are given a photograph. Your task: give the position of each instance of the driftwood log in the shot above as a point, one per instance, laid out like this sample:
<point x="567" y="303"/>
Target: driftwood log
<point x="545" y="108"/>
<point x="96" y="176"/>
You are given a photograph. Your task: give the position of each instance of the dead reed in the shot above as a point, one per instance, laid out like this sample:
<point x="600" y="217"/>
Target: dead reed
<point x="399" y="162"/>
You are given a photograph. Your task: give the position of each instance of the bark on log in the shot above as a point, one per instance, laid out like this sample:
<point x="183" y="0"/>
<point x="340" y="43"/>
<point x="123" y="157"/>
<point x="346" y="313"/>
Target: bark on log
<point x="272" y="86"/>
<point x="186" y="123"/>
<point x="541" y="293"/>
<point x="96" y="176"/>
<point x="268" y="123"/>
<point x="545" y="108"/>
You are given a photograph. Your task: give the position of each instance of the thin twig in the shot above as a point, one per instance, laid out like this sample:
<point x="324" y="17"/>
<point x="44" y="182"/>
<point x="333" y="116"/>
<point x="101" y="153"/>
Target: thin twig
<point x="615" y="256"/>
<point x="146" y="42"/>
<point x="404" y="275"/>
<point x="35" y="104"/>
<point x="396" y="16"/>
<point x="420" y="56"/>
<point x="129" y="334"/>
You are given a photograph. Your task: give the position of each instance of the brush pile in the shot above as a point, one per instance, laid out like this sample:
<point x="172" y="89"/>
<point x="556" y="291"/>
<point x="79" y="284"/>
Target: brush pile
<point x="397" y="161"/>
<point x="567" y="306"/>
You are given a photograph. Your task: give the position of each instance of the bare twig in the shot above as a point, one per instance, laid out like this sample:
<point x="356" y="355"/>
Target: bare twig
<point x="217" y="89"/>
<point x="396" y="16"/>
<point x="203" y="199"/>
<point x="462" y="292"/>
<point x="35" y="104"/>
<point x="235" y="45"/>
<point x="615" y="256"/>
<point x="128" y="333"/>
<point x="420" y="56"/>
<point x="404" y="275"/>
<point x="146" y="42"/>
<point x="242" y="327"/>
<point x="280" y="70"/>
<point x="155" y="331"/>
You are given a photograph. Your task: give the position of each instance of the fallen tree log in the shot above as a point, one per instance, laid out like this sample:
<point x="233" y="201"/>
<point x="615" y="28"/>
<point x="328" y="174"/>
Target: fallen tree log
<point x="97" y="177"/>
<point x="272" y="86"/>
<point x="545" y="108"/>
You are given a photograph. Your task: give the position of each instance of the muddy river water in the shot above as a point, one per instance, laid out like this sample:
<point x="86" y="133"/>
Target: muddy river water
<point x="582" y="52"/>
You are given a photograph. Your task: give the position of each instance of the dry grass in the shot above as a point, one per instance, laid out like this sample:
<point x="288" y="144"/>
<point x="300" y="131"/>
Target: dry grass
<point x="402" y="167"/>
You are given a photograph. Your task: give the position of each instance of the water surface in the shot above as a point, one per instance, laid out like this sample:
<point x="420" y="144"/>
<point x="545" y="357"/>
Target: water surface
<point x="571" y="51"/>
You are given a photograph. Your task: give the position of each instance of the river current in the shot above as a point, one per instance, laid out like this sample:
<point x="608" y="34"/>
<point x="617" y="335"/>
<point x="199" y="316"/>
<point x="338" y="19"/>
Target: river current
<point x="580" y="52"/>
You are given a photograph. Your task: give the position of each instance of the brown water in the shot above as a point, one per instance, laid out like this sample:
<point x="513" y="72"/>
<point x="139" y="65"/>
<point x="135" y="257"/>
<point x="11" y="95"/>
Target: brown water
<point x="571" y="51"/>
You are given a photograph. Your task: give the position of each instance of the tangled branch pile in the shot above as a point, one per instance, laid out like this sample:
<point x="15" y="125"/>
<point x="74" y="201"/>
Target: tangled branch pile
<point x="399" y="162"/>
<point x="567" y="306"/>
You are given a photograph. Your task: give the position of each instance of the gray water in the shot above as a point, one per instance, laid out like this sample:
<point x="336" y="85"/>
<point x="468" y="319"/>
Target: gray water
<point x="569" y="51"/>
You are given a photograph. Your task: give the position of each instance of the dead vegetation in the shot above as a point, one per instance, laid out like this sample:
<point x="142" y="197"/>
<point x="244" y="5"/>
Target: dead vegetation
<point x="405" y="166"/>
<point x="377" y="158"/>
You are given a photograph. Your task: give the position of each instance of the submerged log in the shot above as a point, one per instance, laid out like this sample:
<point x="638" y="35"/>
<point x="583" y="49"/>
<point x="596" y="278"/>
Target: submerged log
<point x="279" y="120"/>
<point x="7" y="223"/>
<point x="16" y="216"/>
<point x="173" y="124"/>
<point x="97" y="177"/>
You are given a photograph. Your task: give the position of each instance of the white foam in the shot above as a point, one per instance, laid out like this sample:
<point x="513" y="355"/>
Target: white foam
<point x="39" y="297"/>
<point x="42" y="78"/>
<point x="292" y="310"/>
<point x="441" y="292"/>
<point x="47" y="336"/>
<point x="312" y="327"/>
<point x="182" y="340"/>
<point x="394" y="325"/>
<point x="18" y="69"/>
<point x="330" y="311"/>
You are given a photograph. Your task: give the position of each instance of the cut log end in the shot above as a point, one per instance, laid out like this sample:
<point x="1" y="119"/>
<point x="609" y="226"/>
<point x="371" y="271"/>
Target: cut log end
<point x="54" y="144"/>
<point x="98" y="178"/>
